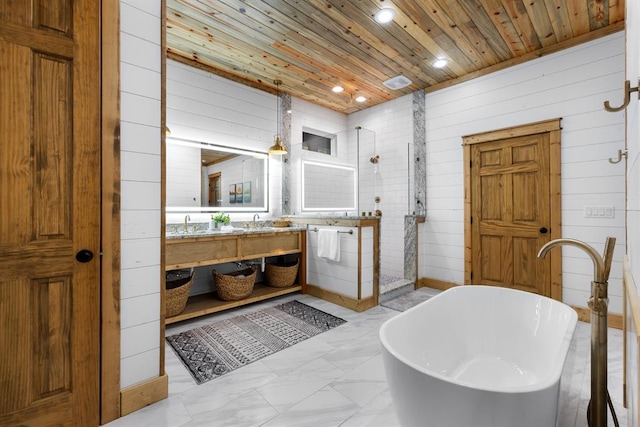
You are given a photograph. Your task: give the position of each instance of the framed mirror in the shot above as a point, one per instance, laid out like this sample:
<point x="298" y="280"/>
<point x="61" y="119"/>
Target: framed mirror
<point x="328" y="187"/>
<point x="204" y="177"/>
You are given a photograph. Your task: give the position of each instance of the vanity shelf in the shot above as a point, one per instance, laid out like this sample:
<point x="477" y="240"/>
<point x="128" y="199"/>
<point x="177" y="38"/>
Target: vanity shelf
<point x="198" y="251"/>
<point x="200" y="305"/>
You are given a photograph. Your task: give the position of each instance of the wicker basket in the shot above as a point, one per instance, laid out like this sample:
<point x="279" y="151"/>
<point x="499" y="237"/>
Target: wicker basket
<point x="177" y="291"/>
<point x="281" y="276"/>
<point x="231" y="287"/>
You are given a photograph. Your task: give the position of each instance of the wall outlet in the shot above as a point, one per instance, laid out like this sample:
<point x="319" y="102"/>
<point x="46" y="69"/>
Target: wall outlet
<point x="599" y="211"/>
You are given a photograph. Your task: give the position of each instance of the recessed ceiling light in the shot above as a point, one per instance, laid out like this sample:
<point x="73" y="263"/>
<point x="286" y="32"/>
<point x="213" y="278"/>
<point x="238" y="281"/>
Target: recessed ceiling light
<point x="385" y="15"/>
<point x="440" y="63"/>
<point x="361" y="99"/>
<point x="337" y="89"/>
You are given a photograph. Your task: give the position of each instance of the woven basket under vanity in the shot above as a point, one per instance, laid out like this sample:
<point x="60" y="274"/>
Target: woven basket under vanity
<point x="178" y="285"/>
<point x="281" y="276"/>
<point x="234" y="286"/>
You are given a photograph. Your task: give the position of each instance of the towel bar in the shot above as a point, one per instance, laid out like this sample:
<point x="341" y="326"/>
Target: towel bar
<point x="344" y="232"/>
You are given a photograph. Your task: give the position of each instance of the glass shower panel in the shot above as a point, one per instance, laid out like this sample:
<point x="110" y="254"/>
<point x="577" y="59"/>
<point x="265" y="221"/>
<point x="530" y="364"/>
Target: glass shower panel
<point x="368" y="171"/>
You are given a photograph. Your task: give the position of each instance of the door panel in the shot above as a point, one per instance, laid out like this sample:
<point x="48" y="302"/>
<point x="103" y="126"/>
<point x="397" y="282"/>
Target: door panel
<point x="510" y="203"/>
<point x="49" y="210"/>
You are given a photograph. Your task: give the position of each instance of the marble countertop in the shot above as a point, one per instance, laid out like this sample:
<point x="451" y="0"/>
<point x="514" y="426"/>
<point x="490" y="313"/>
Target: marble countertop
<point x="235" y="231"/>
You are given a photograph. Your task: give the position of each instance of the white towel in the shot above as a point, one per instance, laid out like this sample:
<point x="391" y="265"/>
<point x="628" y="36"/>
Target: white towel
<point x="329" y="244"/>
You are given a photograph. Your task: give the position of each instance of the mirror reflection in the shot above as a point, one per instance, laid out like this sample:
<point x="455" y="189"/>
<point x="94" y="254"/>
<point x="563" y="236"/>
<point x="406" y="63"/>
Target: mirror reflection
<point x="203" y="177"/>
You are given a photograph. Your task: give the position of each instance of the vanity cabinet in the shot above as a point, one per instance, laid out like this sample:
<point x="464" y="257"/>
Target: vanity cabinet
<point x="198" y="251"/>
<point x="352" y="281"/>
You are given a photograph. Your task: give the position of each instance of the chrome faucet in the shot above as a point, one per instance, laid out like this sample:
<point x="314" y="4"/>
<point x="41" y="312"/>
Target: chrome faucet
<point x="598" y="303"/>
<point x="187" y="218"/>
<point x="253" y="224"/>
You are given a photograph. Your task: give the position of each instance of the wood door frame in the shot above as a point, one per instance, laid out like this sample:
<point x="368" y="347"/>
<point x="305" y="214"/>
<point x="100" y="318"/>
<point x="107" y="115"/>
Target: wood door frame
<point x="113" y="403"/>
<point x="552" y="127"/>
<point x="110" y="234"/>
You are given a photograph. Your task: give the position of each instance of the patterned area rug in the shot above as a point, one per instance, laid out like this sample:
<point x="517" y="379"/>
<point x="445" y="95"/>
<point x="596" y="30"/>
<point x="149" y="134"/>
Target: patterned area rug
<point x="213" y="350"/>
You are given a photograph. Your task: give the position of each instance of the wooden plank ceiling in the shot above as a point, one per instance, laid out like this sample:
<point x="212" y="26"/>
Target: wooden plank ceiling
<point x="313" y="45"/>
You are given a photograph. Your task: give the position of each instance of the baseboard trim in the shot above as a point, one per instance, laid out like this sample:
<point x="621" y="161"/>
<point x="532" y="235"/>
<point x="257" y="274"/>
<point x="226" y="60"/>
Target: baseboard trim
<point x="614" y="320"/>
<point x="144" y="394"/>
<point x="340" y="299"/>
<point x="441" y="285"/>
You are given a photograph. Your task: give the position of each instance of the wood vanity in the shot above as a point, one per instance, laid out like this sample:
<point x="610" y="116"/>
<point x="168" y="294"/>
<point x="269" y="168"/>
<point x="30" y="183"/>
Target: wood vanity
<point x="217" y="248"/>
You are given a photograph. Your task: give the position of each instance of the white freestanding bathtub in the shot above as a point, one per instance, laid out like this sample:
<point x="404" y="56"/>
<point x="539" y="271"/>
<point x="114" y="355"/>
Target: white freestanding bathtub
<point x="478" y="356"/>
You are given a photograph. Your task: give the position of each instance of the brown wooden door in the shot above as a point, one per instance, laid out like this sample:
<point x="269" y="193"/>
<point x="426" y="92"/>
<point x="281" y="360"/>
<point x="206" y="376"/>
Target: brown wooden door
<point x="49" y="212"/>
<point x="215" y="195"/>
<point x="510" y="212"/>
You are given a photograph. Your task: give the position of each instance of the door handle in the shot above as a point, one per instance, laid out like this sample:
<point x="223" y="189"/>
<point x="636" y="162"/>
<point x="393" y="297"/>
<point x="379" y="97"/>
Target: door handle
<point x="84" y="255"/>
<point x="543" y="230"/>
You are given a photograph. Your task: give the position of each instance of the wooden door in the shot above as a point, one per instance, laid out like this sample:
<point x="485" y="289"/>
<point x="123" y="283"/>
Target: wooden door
<point x="510" y="213"/>
<point x="49" y="212"/>
<point x="215" y="195"/>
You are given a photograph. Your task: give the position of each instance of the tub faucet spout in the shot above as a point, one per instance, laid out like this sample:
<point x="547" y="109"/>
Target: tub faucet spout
<point x="598" y="263"/>
<point x="598" y="303"/>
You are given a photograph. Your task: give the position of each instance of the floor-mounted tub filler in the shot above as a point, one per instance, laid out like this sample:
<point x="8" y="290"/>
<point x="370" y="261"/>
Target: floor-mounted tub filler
<point x="478" y="356"/>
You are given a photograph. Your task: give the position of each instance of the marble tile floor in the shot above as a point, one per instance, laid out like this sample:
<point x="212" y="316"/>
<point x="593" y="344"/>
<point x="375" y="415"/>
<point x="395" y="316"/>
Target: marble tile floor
<point x="333" y="379"/>
<point x="410" y="299"/>
<point x="390" y="283"/>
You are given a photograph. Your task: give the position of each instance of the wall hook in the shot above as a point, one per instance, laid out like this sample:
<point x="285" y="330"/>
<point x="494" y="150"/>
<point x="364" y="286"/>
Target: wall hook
<point x="627" y="97"/>
<point x="621" y="154"/>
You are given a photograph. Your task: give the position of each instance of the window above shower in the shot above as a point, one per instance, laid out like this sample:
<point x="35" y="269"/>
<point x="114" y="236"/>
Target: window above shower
<point x="319" y="142"/>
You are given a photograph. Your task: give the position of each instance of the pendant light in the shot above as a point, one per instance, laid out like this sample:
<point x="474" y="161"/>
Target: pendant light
<point x="277" y="148"/>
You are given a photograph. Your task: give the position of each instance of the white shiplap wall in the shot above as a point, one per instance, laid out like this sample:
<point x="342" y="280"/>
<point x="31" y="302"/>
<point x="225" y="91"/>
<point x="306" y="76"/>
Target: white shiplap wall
<point x="140" y="190"/>
<point x="204" y="107"/>
<point x="392" y="124"/>
<point x="571" y="84"/>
